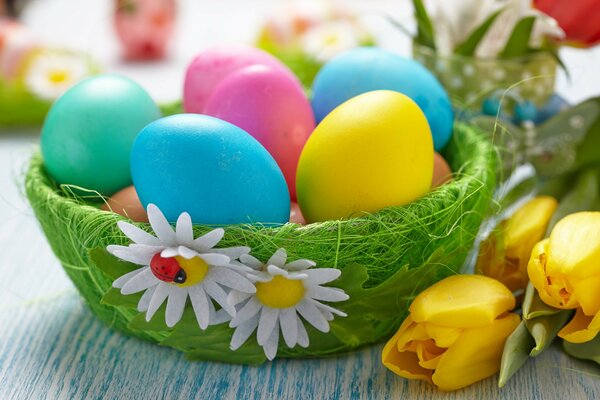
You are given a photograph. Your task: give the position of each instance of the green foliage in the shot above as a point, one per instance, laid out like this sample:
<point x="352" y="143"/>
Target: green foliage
<point x="585" y="351"/>
<point x="535" y="333"/>
<point x="518" y="42"/>
<point x="468" y="47"/>
<point x="425" y="30"/>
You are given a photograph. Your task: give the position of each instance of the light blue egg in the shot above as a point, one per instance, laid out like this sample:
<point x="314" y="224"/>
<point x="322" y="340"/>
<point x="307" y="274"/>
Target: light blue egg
<point x="366" y="69"/>
<point x="209" y="168"/>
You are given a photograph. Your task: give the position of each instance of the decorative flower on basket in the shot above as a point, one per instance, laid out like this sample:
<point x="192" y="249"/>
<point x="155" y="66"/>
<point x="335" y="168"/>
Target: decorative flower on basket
<point x="32" y="76"/>
<point x="305" y="36"/>
<point x="479" y="49"/>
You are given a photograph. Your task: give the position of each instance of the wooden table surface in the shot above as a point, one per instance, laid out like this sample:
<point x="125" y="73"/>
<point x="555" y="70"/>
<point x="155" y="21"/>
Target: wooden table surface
<point x="52" y="347"/>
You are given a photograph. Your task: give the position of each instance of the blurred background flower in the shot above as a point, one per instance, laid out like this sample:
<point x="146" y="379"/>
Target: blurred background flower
<point x="580" y="19"/>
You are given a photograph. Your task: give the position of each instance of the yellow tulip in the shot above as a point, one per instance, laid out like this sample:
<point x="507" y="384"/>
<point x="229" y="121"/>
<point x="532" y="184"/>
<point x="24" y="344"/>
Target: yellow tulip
<point x="505" y="256"/>
<point x="455" y="332"/>
<point x="565" y="270"/>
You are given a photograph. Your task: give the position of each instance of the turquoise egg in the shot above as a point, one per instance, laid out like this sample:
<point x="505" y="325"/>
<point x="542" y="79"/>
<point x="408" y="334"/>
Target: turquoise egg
<point x="88" y="133"/>
<point x="366" y="69"/>
<point x="213" y="170"/>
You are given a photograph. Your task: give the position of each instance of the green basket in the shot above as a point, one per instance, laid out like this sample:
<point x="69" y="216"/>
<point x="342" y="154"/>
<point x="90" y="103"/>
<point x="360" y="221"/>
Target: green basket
<point x="386" y="258"/>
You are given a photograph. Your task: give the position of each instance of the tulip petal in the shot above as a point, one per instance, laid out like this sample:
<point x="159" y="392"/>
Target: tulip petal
<point x="586" y="291"/>
<point x="462" y="301"/>
<point x="404" y="364"/>
<point x="537" y="274"/>
<point x="574" y="248"/>
<point x="582" y="328"/>
<point x="476" y="354"/>
<point x="442" y="335"/>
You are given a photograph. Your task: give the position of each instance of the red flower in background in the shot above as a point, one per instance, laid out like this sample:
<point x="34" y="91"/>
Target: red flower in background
<point x="580" y="19"/>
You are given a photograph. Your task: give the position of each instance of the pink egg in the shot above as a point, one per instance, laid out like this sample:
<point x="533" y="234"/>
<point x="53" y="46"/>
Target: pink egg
<point x="296" y="216"/>
<point x="144" y="27"/>
<point x="213" y="65"/>
<point x="126" y="203"/>
<point x="270" y="106"/>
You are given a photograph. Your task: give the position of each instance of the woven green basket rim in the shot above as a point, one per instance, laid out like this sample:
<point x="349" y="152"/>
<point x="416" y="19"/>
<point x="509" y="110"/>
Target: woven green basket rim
<point x="73" y="229"/>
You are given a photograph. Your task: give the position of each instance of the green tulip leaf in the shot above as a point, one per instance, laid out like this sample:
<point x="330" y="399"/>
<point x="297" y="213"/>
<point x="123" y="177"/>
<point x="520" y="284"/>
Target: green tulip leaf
<point x="518" y="42"/>
<point x="534" y="307"/>
<point x="468" y="47"/>
<point x="516" y="353"/>
<point x="584" y="351"/>
<point x="544" y="329"/>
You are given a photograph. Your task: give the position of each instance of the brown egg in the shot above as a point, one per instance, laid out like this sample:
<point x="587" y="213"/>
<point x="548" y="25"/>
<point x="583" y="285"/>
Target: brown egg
<point x="296" y="215"/>
<point x="127" y="203"/>
<point x="441" y="171"/>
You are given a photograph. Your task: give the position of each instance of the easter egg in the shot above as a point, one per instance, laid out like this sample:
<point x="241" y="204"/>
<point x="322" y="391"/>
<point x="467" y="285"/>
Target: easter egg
<point x="441" y="171"/>
<point x="372" y="152"/>
<point x="213" y="65"/>
<point x="126" y="203"/>
<point x="88" y="133"/>
<point x="270" y="106"/>
<point x="296" y="216"/>
<point x="209" y="168"/>
<point x="369" y="68"/>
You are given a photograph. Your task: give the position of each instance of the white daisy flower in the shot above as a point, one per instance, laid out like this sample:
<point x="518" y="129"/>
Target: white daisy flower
<point x="51" y="73"/>
<point x="177" y="266"/>
<point x="324" y="42"/>
<point x="284" y="293"/>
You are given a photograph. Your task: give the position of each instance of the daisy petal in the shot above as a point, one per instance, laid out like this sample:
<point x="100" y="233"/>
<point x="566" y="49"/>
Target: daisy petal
<point x="313" y="315"/>
<point x="248" y="311"/>
<point x="232" y="280"/>
<point x="297" y="276"/>
<point x="267" y="324"/>
<point x="274" y="270"/>
<point x="220" y="317"/>
<point x="232" y="252"/>
<point x="170" y="252"/>
<point x="327" y="293"/>
<point x="215" y="259"/>
<point x="270" y="347"/>
<point x="138" y="235"/>
<point x="299" y="265"/>
<point x="208" y="240"/>
<point x="175" y="305"/>
<point x="183" y="229"/>
<point x="243" y="332"/>
<point x="235" y="297"/>
<point x="251" y="261"/>
<point x="219" y="295"/>
<point x="288" y="322"/>
<point x="187" y="253"/>
<point x="161" y="226"/>
<point x="302" y="335"/>
<point x="141" y="281"/>
<point x="320" y="276"/>
<point x="129" y="255"/>
<point x="160" y="294"/>
<point x="332" y="310"/>
<point x="145" y="299"/>
<point x="119" y="282"/>
<point x="200" y="302"/>
<point x="278" y="258"/>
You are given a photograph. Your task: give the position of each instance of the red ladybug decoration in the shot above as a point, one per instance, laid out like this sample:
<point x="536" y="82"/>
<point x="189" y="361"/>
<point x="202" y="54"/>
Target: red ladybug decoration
<point x="167" y="269"/>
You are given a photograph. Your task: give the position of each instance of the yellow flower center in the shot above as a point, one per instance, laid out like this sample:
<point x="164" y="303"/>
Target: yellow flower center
<point x="58" y="76"/>
<point x="195" y="269"/>
<point x="280" y="292"/>
<point x="331" y="40"/>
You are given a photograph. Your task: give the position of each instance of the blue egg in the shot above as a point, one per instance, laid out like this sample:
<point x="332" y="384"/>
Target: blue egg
<point x="210" y="168"/>
<point x="369" y="68"/>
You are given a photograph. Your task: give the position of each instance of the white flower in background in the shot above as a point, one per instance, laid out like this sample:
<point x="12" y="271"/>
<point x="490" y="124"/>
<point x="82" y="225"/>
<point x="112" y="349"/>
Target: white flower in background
<point x="177" y="266"/>
<point x="284" y="293"/>
<point x="51" y="73"/>
<point x="454" y="21"/>
<point x="327" y="40"/>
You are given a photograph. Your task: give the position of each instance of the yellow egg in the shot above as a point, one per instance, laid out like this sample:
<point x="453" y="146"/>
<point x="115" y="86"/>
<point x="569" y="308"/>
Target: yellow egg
<point x="372" y="152"/>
